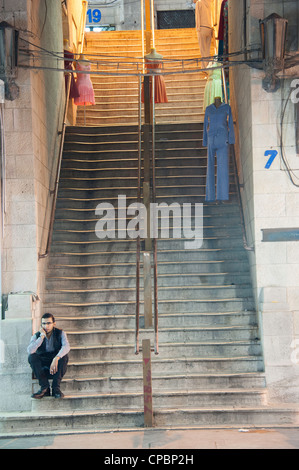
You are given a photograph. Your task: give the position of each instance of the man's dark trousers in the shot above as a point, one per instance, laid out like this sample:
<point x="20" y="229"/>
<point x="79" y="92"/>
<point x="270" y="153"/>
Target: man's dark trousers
<point x="40" y="364"/>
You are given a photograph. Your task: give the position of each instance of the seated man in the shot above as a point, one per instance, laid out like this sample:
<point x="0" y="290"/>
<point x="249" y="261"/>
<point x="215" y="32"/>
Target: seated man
<point x="48" y="354"/>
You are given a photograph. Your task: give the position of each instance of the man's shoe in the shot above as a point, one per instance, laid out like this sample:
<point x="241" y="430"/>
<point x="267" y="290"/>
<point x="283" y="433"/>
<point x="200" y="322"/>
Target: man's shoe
<point x="42" y="393"/>
<point x="57" y="393"/>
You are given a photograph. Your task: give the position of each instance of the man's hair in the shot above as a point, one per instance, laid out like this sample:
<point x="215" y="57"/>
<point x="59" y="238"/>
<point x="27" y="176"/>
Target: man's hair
<point x="49" y="315"/>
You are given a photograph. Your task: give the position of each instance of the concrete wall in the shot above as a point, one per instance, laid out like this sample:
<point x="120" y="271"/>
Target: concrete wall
<point x="270" y="199"/>
<point x="126" y="14"/>
<point x="32" y="122"/>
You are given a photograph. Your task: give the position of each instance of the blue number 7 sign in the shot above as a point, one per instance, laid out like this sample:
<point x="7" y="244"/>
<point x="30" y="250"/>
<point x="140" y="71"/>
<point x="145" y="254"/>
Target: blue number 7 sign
<point x="272" y="154"/>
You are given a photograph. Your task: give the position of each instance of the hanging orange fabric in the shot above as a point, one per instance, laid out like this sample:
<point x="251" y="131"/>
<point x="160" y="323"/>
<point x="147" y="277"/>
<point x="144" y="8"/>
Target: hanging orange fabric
<point x="160" y="87"/>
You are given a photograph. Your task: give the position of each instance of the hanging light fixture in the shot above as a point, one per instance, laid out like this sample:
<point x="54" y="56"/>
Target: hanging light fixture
<point x="9" y="38"/>
<point x="273" y="36"/>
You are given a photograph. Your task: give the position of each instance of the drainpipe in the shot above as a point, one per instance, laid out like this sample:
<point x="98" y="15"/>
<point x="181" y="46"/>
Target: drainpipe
<point x="245" y="29"/>
<point x="2" y="195"/>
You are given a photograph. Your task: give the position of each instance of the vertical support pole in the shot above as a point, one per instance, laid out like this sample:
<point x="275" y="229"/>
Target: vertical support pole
<point x="147" y="157"/>
<point x="297" y="127"/>
<point x="147" y="383"/>
<point x="142" y="33"/>
<point x="138" y="238"/>
<point x="153" y="23"/>
<point x="148" y="33"/>
<point x="224" y="84"/>
<point x="148" y="320"/>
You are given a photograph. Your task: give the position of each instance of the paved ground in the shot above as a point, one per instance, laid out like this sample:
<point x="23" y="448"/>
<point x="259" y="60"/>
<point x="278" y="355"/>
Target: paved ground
<point x="284" y="438"/>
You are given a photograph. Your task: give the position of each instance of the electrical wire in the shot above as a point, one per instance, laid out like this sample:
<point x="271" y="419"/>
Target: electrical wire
<point x="45" y="18"/>
<point x="290" y="172"/>
<point x="224" y="56"/>
<point x="110" y="60"/>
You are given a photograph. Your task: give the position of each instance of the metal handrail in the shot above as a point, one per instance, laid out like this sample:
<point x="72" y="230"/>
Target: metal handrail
<point x="55" y="190"/>
<point x="138" y="238"/>
<point x="237" y="181"/>
<point x="82" y="27"/>
<point x="156" y="344"/>
<point x="138" y="249"/>
<point x="245" y="243"/>
<point x="3" y="168"/>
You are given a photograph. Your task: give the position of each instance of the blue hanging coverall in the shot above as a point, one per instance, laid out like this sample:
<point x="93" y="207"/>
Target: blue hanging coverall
<point x="217" y="135"/>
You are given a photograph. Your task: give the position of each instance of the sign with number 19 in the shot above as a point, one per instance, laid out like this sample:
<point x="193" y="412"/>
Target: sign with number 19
<point x="93" y="15"/>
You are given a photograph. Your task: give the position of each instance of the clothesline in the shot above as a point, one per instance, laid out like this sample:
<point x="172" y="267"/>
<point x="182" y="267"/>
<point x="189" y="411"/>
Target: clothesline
<point x="168" y="66"/>
<point x="126" y="74"/>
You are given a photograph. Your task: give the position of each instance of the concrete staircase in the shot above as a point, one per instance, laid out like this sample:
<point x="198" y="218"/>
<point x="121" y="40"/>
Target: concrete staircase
<point x="116" y="94"/>
<point x="209" y="372"/>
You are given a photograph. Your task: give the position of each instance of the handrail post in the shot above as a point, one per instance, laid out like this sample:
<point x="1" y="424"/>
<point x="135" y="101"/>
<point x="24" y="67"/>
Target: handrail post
<point x="57" y="177"/>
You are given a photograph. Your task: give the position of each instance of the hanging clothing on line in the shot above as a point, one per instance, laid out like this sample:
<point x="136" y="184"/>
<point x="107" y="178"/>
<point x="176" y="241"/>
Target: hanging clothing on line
<point x="213" y="86"/>
<point x="204" y="27"/>
<point x="85" y="88"/>
<point x="223" y="30"/>
<point x="160" y="87"/>
<point x="68" y="65"/>
<point x="218" y="134"/>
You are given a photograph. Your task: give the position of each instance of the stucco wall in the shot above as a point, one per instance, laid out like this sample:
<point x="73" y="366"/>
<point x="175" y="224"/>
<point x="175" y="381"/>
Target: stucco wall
<point x="32" y="122"/>
<point x="270" y="201"/>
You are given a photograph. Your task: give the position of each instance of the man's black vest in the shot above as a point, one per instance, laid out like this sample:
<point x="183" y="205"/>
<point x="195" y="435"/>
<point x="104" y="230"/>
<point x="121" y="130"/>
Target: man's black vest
<point x="57" y="344"/>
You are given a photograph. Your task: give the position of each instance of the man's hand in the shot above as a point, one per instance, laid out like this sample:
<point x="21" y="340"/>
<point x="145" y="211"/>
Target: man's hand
<point x="54" y="366"/>
<point x="42" y="331"/>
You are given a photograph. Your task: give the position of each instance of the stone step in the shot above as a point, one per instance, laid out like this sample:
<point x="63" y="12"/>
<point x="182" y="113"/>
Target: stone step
<point x="93" y="263"/>
<point x="89" y="213"/>
<point x="105" y="103"/>
<point x="239" y="415"/>
<point x="90" y="268"/>
<point x="184" y="365"/>
<point x="99" y="231"/>
<point x="179" y="320"/>
<point x="85" y="199"/>
<point x="166" y="248"/>
<point x="105" y="167"/>
<point x="179" y="293"/>
<point x="161" y="137"/>
<point x="94" y="181"/>
<point x="34" y="424"/>
<point x="48" y="423"/>
<point x="166" y="335"/>
<point x="131" y="135"/>
<point x="166" y="154"/>
<point x="164" y="306"/>
<point x="170" y="350"/>
<point x="216" y="212"/>
<point x="168" y="111"/>
<point x="66" y="244"/>
<point x="186" y="80"/>
<point x="121" y="95"/>
<point x="134" y="400"/>
<point x="105" y="282"/>
<point x="173" y="226"/>
<point x="173" y="216"/>
<point x="89" y="220"/>
<point x="101" y="180"/>
<point x="208" y="381"/>
<point x="92" y="146"/>
<point x="108" y="47"/>
<point x="110" y="130"/>
<point x="124" y="118"/>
